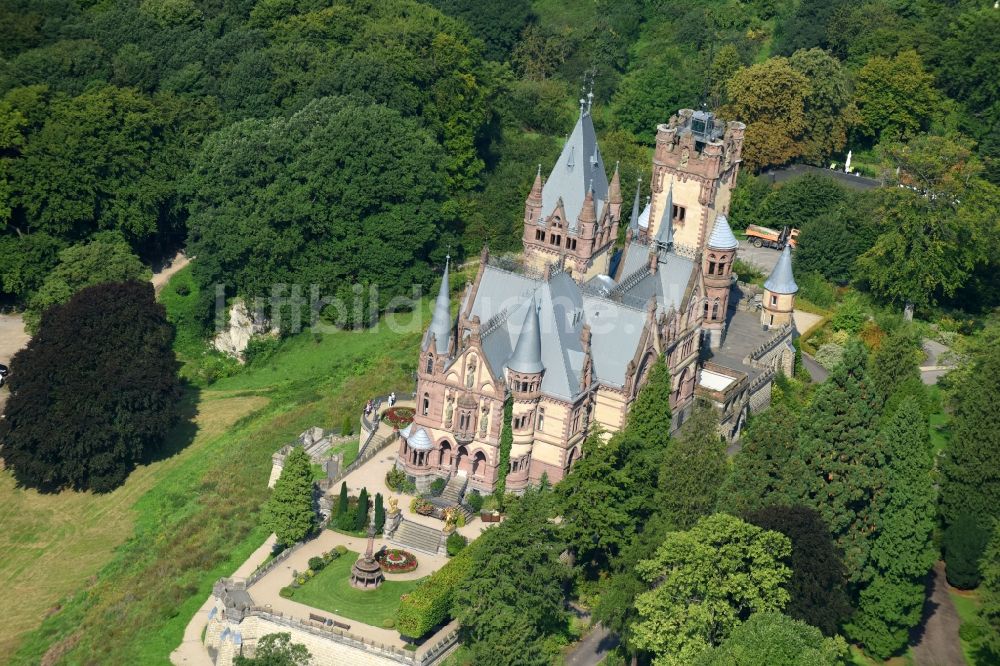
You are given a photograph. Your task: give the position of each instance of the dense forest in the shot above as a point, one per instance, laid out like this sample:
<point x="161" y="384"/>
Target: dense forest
<point x="320" y="142"/>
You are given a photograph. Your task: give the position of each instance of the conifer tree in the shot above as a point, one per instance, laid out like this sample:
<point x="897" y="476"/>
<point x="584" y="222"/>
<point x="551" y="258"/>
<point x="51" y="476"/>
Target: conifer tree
<point x="989" y="593"/>
<point x="342" y="502"/>
<point x="361" y="514"/>
<point x="841" y="458"/>
<point x="768" y="469"/>
<point x="902" y="552"/>
<point x="963" y="544"/>
<point x="894" y="373"/>
<point x="379" y="513"/>
<point x="649" y="418"/>
<point x="693" y="469"/>
<point x="289" y="511"/>
<point x="971" y="466"/>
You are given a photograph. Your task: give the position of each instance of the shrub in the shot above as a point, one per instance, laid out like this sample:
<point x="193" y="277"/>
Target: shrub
<point x="317" y="563"/>
<point x="829" y="355"/>
<point x="490" y="503"/>
<point x="970" y="632"/>
<point x="455" y="543"/>
<point x="286" y="592"/>
<point x="388" y="623"/>
<point x="747" y="272"/>
<point x="395" y="478"/>
<point x="460" y="520"/>
<point x="814" y="288"/>
<point x="850" y="316"/>
<point x="379" y="513"/>
<point x="430" y="604"/>
<point x="340" y="550"/>
<point x="474" y="500"/>
<point x="347" y="428"/>
<point x="437" y="487"/>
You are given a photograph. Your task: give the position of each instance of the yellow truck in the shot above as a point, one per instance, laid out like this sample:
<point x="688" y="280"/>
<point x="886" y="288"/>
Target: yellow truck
<point x="766" y="237"/>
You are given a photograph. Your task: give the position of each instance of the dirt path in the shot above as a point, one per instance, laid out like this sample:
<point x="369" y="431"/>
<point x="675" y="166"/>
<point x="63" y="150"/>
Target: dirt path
<point x="161" y="278"/>
<point x="937" y="640"/>
<point x="13" y="337"/>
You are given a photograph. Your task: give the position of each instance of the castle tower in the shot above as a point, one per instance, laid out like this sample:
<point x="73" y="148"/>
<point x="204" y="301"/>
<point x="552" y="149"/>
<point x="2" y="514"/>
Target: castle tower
<point x="700" y="154"/>
<point x="525" y="371"/>
<point x="576" y="190"/>
<point x="717" y="270"/>
<point x="779" y="292"/>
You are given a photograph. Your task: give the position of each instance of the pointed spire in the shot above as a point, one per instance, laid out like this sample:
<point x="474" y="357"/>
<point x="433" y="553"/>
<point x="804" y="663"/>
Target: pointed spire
<point x="535" y="197"/>
<point x="527" y="356"/>
<point x="781" y="280"/>
<point x="615" y="190"/>
<point x="634" y="221"/>
<point x="722" y="237"/>
<point x="665" y="234"/>
<point x="588" y="213"/>
<point x="441" y="320"/>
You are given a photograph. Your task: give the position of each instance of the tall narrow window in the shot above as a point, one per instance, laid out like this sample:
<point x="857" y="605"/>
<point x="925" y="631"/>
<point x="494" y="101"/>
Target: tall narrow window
<point x="541" y="419"/>
<point x="426" y="407"/>
<point x="715" y="310"/>
<point x="430" y="365"/>
<point x="774" y="299"/>
<point x="722" y="268"/>
<point x="711" y="268"/>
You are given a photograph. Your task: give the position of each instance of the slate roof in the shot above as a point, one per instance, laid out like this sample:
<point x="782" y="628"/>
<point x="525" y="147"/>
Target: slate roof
<point x="441" y="319"/>
<point x="527" y="356"/>
<point x="722" y="237"/>
<point x="419" y="440"/>
<point x="580" y="165"/>
<point x="667" y="284"/>
<point x="781" y="280"/>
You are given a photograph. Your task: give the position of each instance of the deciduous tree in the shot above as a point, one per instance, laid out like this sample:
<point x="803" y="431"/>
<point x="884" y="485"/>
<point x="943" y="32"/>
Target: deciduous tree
<point x="706" y="581"/>
<point x="94" y="391"/>
<point x="276" y="650"/>
<point x="773" y="639"/>
<point x="896" y="98"/>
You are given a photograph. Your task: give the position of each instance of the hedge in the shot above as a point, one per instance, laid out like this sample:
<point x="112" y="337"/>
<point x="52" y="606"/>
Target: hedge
<point x="430" y="604"/>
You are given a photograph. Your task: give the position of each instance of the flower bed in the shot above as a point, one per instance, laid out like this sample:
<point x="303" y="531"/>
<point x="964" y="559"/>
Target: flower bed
<point x="398" y="417"/>
<point x="394" y="560"/>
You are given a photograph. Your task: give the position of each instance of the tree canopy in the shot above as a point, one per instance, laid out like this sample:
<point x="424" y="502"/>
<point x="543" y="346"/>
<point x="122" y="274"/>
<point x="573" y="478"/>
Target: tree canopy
<point x="93" y="393"/>
<point x="773" y="639"/>
<point x="289" y="511"/>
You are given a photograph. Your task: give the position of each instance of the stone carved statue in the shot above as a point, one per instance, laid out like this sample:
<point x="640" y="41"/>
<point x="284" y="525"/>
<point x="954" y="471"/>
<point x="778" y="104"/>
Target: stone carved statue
<point x="393" y="506"/>
<point x="449" y="411"/>
<point x="685" y="156"/>
<point x="470" y="377"/>
<point x="484" y="421"/>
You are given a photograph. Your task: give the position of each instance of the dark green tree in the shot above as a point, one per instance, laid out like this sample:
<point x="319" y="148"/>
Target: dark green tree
<point x="902" y="552"/>
<point x="896" y="98"/>
<point x="93" y="393"/>
<point x="379" y="513"/>
<point x="276" y="650"/>
<point x="28" y="259"/>
<point x="289" y="511"/>
<point x="693" y="469"/>
<point x="506" y="442"/>
<point x="499" y="24"/>
<point x="894" y="373"/>
<point x="515" y="599"/>
<point x="970" y="468"/>
<point x="989" y="569"/>
<point x="649" y="419"/>
<point x="342" y="501"/>
<point x="361" y="514"/>
<point x="963" y="544"/>
<point x="829" y="109"/>
<point x="769" y="468"/>
<point x="818" y="586"/>
<point x="841" y="457"/>
<point x="773" y="639"/>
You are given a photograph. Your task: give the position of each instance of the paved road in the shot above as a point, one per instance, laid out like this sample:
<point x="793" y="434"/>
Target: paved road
<point x="796" y="170"/>
<point x="936" y="362"/>
<point x="592" y="648"/>
<point x="816" y="371"/>
<point x="763" y="258"/>
<point x="937" y="640"/>
<point x="12" y="338"/>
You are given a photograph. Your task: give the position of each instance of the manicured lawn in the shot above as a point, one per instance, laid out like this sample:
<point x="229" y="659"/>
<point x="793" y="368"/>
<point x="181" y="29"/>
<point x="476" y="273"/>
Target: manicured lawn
<point x="331" y="591"/>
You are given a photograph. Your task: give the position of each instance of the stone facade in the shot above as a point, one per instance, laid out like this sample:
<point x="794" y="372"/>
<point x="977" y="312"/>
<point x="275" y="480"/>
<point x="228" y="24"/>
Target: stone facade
<point x="570" y="333"/>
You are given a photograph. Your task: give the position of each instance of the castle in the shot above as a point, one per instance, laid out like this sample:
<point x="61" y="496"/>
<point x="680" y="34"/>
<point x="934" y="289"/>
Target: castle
<point x="570" y="332"/>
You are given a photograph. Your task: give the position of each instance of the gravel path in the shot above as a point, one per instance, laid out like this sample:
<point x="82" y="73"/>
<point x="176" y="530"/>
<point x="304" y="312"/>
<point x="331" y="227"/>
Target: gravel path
<point x="937" y="640"/>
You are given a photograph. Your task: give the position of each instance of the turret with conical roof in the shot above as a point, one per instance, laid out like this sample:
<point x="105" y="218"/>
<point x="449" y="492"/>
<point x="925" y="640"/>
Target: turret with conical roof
<point x="633" y="223"/>
<point x="533" y="204"/>
<point x="587" y="221"/>
<point x="525" y="362"/>
<point x="665" y="230"/>
<point x="440" y="329"/>
<point x="615" y="195"/>
<point x="717" y="271"/>
<point x="779" y="292"/>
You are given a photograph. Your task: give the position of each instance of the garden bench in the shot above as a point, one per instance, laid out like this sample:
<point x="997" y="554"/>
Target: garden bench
<point x="317" y="618"/>
<point x="341" y="625"/>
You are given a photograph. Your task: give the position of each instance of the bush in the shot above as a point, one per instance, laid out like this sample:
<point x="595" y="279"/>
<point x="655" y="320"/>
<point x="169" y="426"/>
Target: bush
<point x="474" y="500"/>
<point x="317" y="563"/>
<point x="395" y="478"/>
<point x="814" y="288"/>
<point x="850" y="316"/>
<point x="347" y="428"/>
<point x="490" y="503"/>
<point x="388" y="623"/>
<point x="286" y="592"/>
<point x="970" y="632"/>
<point x="340" y="550"/>
<point x="260" y="348"/>
<point x="437" y="487"/>
<point x="460" y="520"/>
<point x="455" y="543"/>
<point x="829" y="355"/>
<point x="747" y="272"/>
<point x="430" y="604"/>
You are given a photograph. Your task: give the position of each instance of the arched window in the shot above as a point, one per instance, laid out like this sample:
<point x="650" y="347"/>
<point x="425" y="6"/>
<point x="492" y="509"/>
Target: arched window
<point x="430" y="365"/>
<point x="541" y="419"/>
<point x="722" y="268"/>
<point x="715" y="310"/>
<point x="426" y="405"/>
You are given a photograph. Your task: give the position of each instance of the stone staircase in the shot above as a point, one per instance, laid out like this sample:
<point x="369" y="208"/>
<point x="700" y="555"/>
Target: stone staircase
<point x="452" y="493"/>
<point x="414" y="536"/>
